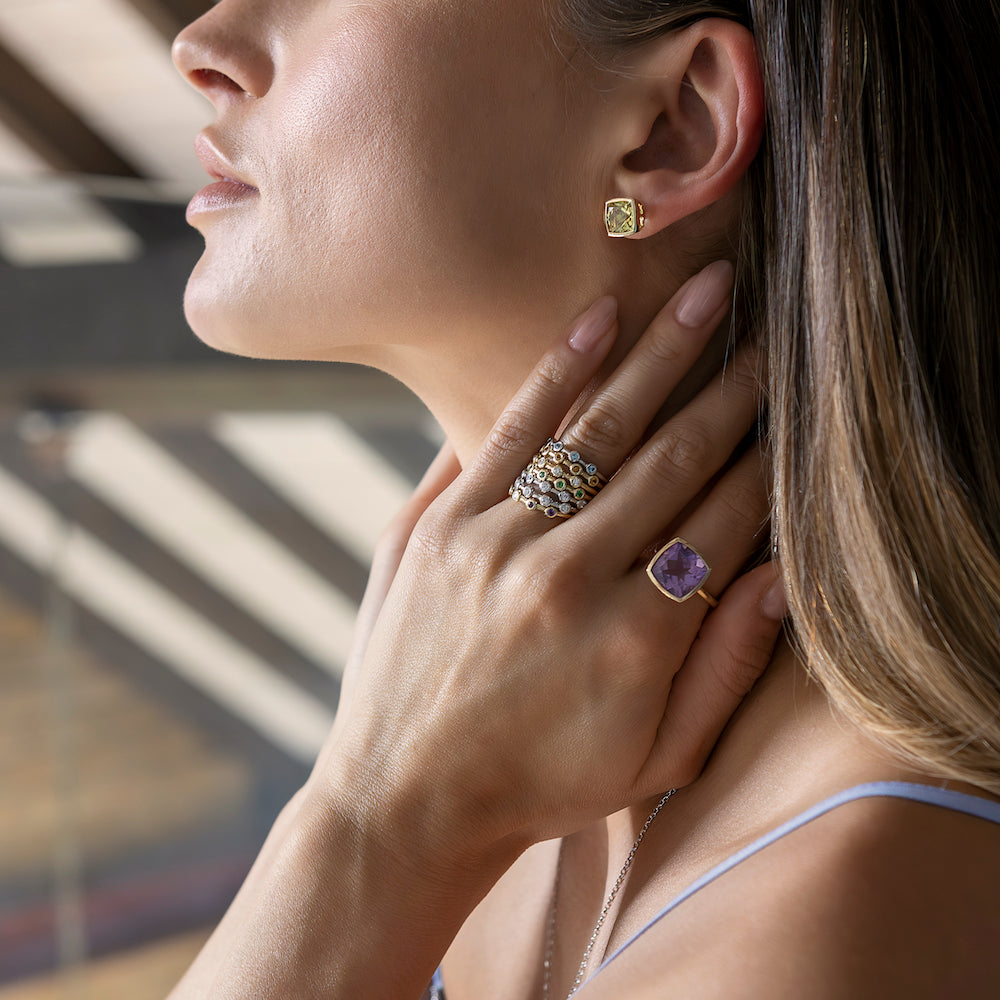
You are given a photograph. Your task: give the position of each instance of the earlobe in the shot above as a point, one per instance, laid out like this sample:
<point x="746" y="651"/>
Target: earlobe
<point x="700" y="96"/>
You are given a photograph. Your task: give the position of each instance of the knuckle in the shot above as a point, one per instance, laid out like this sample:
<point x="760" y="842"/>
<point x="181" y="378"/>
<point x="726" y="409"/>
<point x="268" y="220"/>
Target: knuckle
<point x="512" y="434"/>
<point x="744" y="658"/>
<point x="600" y="427"/>
<point x="564" y="586"/>
<point x="553" y="370"/>
<point x="663" y="351"/>
<point x="683" y="452"/>
<point x="741" y="379"/>
<point x="433" y="537"/>
<point x="744" y="506"/>
<point x="556" y="589"/>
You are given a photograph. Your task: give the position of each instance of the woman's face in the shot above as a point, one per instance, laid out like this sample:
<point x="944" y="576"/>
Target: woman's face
<point x="419" y="165"/>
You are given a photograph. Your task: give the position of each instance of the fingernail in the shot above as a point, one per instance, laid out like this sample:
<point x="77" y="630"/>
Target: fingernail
<point x="774" y="603"/>
<point x="594" y="324"/>
<point x="705" y="293"/>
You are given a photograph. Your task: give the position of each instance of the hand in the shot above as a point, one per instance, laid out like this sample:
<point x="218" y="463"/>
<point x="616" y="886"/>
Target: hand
<point x="388" y="554"/>
<point x="524" y="676"/>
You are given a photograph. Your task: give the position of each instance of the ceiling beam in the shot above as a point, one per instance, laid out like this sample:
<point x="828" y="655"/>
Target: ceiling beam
<point x="169" y="16"/>
<point x="109" y="65"/>
<point x="46" y="125"/>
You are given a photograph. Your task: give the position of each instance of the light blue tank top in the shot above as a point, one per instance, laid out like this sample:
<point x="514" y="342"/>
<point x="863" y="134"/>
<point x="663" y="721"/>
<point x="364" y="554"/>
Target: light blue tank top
<point x="945" y="798"/>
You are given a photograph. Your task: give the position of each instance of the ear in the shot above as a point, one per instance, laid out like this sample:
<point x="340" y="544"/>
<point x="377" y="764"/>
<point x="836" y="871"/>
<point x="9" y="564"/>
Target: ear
<point x="687" y="120"/>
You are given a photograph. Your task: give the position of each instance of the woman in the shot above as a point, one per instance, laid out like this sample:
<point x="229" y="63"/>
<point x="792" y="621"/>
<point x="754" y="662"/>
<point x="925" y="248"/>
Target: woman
<point x="420" y="186"/>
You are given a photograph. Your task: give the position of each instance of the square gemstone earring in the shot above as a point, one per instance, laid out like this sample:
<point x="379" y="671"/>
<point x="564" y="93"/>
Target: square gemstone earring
<point x="623" y="216"/>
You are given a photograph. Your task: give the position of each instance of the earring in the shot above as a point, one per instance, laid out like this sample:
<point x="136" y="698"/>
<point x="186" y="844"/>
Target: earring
<point x="623" y="216"/>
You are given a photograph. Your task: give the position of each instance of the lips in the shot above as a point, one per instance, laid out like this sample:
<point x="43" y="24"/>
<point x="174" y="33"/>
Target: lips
<point x="215" y="163"/>
<point x="230" y="188"/>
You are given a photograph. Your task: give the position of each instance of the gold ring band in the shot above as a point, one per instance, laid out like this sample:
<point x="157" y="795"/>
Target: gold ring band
<point x="712" y="602"/>
<point x="680" y="571"/>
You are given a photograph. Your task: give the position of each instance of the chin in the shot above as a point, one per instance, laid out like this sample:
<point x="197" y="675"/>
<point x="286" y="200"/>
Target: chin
<point x="228" y="320"/>
<point x="238" y="322"/>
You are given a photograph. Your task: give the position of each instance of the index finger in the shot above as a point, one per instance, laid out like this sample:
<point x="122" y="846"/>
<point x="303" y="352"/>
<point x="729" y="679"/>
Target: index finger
<point x="613" y="421"/>
<point x="541" y="404"/>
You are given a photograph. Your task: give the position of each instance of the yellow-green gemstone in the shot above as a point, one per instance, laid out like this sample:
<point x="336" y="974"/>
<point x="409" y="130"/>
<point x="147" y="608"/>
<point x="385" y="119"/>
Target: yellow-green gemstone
<point x="621" y="217"/>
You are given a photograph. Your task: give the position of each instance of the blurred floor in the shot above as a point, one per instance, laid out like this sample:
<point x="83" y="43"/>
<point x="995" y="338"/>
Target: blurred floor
<point x="132" y="771"/>
<point x="175" y="600"/>
<point x="147" y="973"/>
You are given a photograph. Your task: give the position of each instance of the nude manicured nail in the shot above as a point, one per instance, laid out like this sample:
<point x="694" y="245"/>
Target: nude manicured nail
<point x="705" y="293"/>
<point x="594" y="324"/>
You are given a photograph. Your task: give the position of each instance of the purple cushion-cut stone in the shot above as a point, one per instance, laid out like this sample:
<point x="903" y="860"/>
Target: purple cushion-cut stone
<point x="679" y="570"/>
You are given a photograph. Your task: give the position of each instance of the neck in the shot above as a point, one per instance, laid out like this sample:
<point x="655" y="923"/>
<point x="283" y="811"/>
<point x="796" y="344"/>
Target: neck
<point x="785" y="748"/>
<point x="467" y="387"/>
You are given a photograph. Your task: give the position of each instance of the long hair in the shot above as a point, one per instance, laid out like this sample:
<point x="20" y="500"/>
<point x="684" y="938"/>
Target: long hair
<point x="868" y="268"/>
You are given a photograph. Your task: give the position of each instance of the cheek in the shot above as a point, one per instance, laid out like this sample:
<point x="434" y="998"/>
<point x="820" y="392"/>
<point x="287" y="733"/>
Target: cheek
<point x="426" y="156"/>
<point x="413" y="178"/>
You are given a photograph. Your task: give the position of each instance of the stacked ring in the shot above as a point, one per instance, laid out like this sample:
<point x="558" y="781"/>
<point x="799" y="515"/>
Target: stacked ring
<point x="558" y="481"/>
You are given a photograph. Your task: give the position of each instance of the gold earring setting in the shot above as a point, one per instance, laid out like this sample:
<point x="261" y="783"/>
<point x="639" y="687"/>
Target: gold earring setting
<point x="623" y="216"/>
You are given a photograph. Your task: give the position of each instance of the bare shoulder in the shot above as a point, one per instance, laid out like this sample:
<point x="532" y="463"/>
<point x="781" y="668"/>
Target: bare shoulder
<point x="909" y="904"/>
<point x="880" y="898"/>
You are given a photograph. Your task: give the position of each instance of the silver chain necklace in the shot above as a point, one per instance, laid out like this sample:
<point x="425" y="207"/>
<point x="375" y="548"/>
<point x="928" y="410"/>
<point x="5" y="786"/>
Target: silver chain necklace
<point x="550" y="932"/>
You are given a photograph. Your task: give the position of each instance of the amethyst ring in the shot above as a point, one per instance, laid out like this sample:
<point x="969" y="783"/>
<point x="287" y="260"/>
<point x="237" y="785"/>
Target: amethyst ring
<point x="680" y="571"/>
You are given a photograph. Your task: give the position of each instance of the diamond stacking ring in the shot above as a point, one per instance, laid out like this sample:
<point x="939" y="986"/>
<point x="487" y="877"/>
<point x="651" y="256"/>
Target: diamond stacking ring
<point x="558" y="481"/>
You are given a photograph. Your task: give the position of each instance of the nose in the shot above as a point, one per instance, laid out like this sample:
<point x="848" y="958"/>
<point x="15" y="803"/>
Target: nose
<point x="224" y="54"/>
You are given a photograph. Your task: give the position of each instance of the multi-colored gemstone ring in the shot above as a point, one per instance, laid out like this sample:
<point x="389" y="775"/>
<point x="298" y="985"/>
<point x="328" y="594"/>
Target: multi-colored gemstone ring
<point x="558" y="481"/>
<point x="680" y="571"/>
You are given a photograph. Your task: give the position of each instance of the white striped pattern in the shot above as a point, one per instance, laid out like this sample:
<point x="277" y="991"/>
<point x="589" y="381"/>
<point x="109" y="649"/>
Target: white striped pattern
<point x="131" y="473"/>
<point x="110" y="65"/>
<point x="46" y="226"/>
<point x="158" y="622"/>
<point x="323" y="468"/>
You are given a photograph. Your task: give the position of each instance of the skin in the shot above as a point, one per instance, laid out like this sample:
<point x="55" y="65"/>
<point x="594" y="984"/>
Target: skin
<point x="349" y="187"/>
<point x="426" y="210"/>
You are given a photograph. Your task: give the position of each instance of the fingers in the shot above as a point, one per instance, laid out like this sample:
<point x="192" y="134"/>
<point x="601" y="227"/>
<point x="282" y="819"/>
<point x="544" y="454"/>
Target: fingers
<point x="732" y="650"/>
<point x="388" y="555"/>
<point x="728" y="526"/>
<point x="541" y="404"/>
<point x="725" y="529"/>
<point x="736" y="640"/>
<point x="672" y="468"/>
<point x="439" y="475"/>
<point x="614" y="419"/>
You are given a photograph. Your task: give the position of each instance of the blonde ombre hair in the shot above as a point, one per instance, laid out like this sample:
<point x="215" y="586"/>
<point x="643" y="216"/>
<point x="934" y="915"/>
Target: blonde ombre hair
<point x="868" y="266"/>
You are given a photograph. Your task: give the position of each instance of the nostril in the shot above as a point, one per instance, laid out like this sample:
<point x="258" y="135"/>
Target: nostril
<point x="212" y="81"/>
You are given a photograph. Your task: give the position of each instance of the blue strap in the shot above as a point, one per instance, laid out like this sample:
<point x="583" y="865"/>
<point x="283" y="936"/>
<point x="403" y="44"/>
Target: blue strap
<point x="946" y="798"/>
<point x="436" y="991"/>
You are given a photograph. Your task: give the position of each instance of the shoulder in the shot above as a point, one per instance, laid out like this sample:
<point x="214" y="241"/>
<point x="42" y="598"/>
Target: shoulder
<point x="892" y="898"/>
<point x="880" y="898"/>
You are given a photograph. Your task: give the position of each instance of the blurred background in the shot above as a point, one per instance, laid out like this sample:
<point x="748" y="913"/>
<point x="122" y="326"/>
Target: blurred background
<point x="184" y="536"/>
